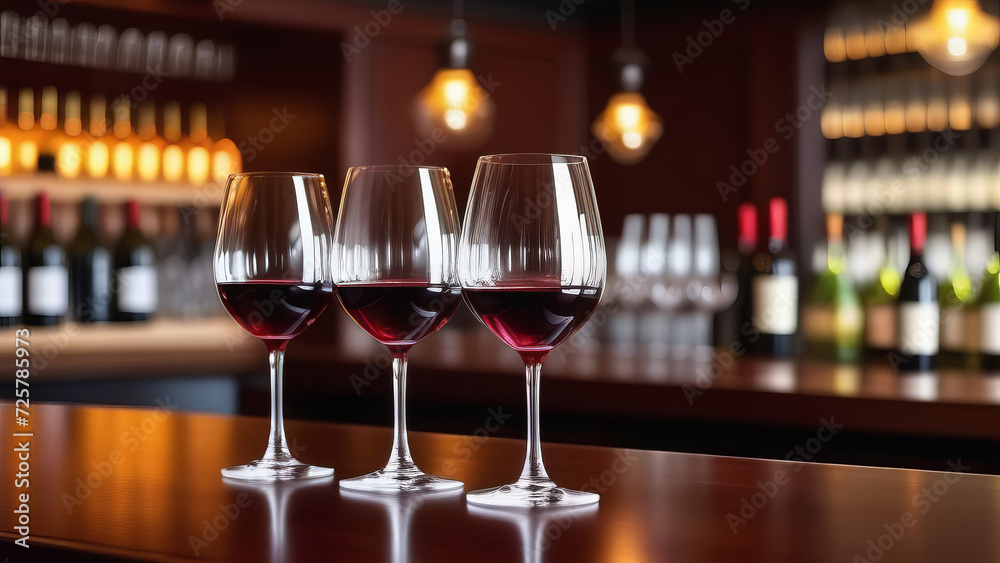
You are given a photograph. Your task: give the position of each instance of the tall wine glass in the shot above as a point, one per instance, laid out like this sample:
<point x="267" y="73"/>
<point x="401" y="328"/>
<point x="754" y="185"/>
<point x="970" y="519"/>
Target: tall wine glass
<point x="394" y="255"/>
<point x="273" y="272"/>
<point x="532" y="266"/>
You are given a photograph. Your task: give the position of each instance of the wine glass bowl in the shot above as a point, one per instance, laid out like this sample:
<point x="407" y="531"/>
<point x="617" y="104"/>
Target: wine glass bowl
<point x="394" y="251"/>
<point x="533" y="268"/>
<point x="273" y="273"/>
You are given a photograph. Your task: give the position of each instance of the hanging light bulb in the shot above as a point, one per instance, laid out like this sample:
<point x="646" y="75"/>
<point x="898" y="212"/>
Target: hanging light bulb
<point x="628" y="127"/>
<point x="956" y="36"/>
<point x="454" y="103"/>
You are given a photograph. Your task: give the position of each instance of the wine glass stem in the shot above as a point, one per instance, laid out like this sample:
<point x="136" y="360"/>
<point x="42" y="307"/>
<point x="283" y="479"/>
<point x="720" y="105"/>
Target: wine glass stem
<point x="400" y="456"/>
<point x="534" y="469"/>
<point x="277" y="446"/>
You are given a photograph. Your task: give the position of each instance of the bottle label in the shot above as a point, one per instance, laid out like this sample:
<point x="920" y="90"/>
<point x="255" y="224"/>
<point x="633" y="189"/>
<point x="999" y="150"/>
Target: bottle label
<point x="137" y="289"/>
<point x="775" y="304"/>
<point x="919" y="328"/>
<point x="880" y="327"/>
<point x="972" y="334"/>
<point x="989" y="328"/>
<point x="953" y="329"/>
<point x="48" y="290"/>
<point x="817" y="322"/>
<point x="10" y="291"/>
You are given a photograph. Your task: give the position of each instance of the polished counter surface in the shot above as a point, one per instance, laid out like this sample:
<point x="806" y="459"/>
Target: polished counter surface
<point x="144" y="484"/>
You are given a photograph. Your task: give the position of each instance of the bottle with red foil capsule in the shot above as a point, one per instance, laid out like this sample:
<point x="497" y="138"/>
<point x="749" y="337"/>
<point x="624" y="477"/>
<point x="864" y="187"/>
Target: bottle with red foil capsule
<point x="747" y="244"/>
<point x="775" y="292"/>
<point x="918" y="320"/>
<point x="134" y="279"/>
<point x="10" y="272"/>
<point x="46" y="274"/>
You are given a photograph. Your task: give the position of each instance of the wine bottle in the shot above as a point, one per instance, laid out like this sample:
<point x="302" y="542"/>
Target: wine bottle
<point x="46" y="276"/>
<point x="954" y="294"/>
<point x="989" y="316"/>
<point x="10" y="272"/>
<point x="134" y="280"/>
<point x="747" y="244"/>
<point x="832" y="320"/>
<point x="919" y="315"/>
<point x="776" y="289"/>
<point x="90" y="270"/>
<point x="7" y="137"/>
<point x="880" y="296"/>
<point x="989" y="306"/>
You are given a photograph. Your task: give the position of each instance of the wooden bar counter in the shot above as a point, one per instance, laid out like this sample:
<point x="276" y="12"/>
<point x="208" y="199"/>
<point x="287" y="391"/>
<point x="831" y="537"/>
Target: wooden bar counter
<point x="134" y="484"/>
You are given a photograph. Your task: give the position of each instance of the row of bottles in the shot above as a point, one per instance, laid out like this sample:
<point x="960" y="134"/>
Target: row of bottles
<point x="37" y="38"/>
<point x="911" y="101"/>
<point x="121" y="146"/>
<point x="901" y="312"/>
<point x="950" y="171"/>
<point x="88" y="279"/>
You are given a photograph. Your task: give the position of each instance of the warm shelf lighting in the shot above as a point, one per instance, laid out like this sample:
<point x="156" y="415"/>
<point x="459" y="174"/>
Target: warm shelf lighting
<point x="122" y="161"/>
<point x="69" y="160"/>
<point x="148" y="162"/>
<point x="27" y="155"/>
<point x="98" y="159"/>
<point x="956" y="36"/>
<point x="226" y="160"/>
<point x="6" y="156"/>
<point x="198" y="165"/>
<point x="173" y="163"/>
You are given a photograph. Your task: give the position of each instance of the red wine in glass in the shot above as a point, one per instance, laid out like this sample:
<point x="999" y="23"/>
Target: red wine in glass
<point x="534" y="320"/>
<point x="275" y="310"/>
<point x="400" y="313"/>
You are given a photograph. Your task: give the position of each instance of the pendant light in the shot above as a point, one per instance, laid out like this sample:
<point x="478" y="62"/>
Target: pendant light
<point x="627" y="126"/>
<point x="454" y="104"/>
<point x="956" y="36"/>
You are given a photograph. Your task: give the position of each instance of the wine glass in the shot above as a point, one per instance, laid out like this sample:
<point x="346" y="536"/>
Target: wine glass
<point x="394" y="256"/>
<point x="273" y="273"/>
<point x="532" y="265"/>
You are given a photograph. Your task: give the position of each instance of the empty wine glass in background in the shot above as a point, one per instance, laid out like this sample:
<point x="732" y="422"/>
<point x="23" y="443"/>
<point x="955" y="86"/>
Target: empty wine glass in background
<point x="273" y="273"/>
<point x="394" y="256"/>
<point x="532" y="265"/>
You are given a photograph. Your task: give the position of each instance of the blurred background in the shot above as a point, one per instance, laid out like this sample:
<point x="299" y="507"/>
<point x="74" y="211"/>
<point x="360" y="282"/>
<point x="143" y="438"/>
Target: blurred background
<point x="719" y="134"/>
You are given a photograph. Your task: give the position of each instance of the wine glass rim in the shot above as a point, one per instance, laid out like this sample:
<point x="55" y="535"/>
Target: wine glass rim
<point x="269" y="173"/>
<point x="532" y="159"/>
<point x="380" y="167"/>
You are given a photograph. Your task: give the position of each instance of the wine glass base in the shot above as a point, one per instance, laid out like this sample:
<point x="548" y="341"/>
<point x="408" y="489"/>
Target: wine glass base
<point x="396" y="481"/>
<point x="531" y="495"/>
<point x="272" y="470"/>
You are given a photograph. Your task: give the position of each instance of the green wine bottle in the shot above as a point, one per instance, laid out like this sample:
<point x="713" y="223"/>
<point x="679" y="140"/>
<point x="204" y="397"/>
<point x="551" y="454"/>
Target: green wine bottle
<point x="879" y="297"/>
<point x="954" y="294"/>
<point x="989" y="316"/>
<point x="833" y="317"/>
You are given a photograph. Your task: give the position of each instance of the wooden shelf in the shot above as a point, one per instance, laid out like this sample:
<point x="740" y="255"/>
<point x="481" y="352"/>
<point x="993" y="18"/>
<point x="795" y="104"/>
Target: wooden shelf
<point x="160" y="347"/>
<point x="27" y="186"/>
